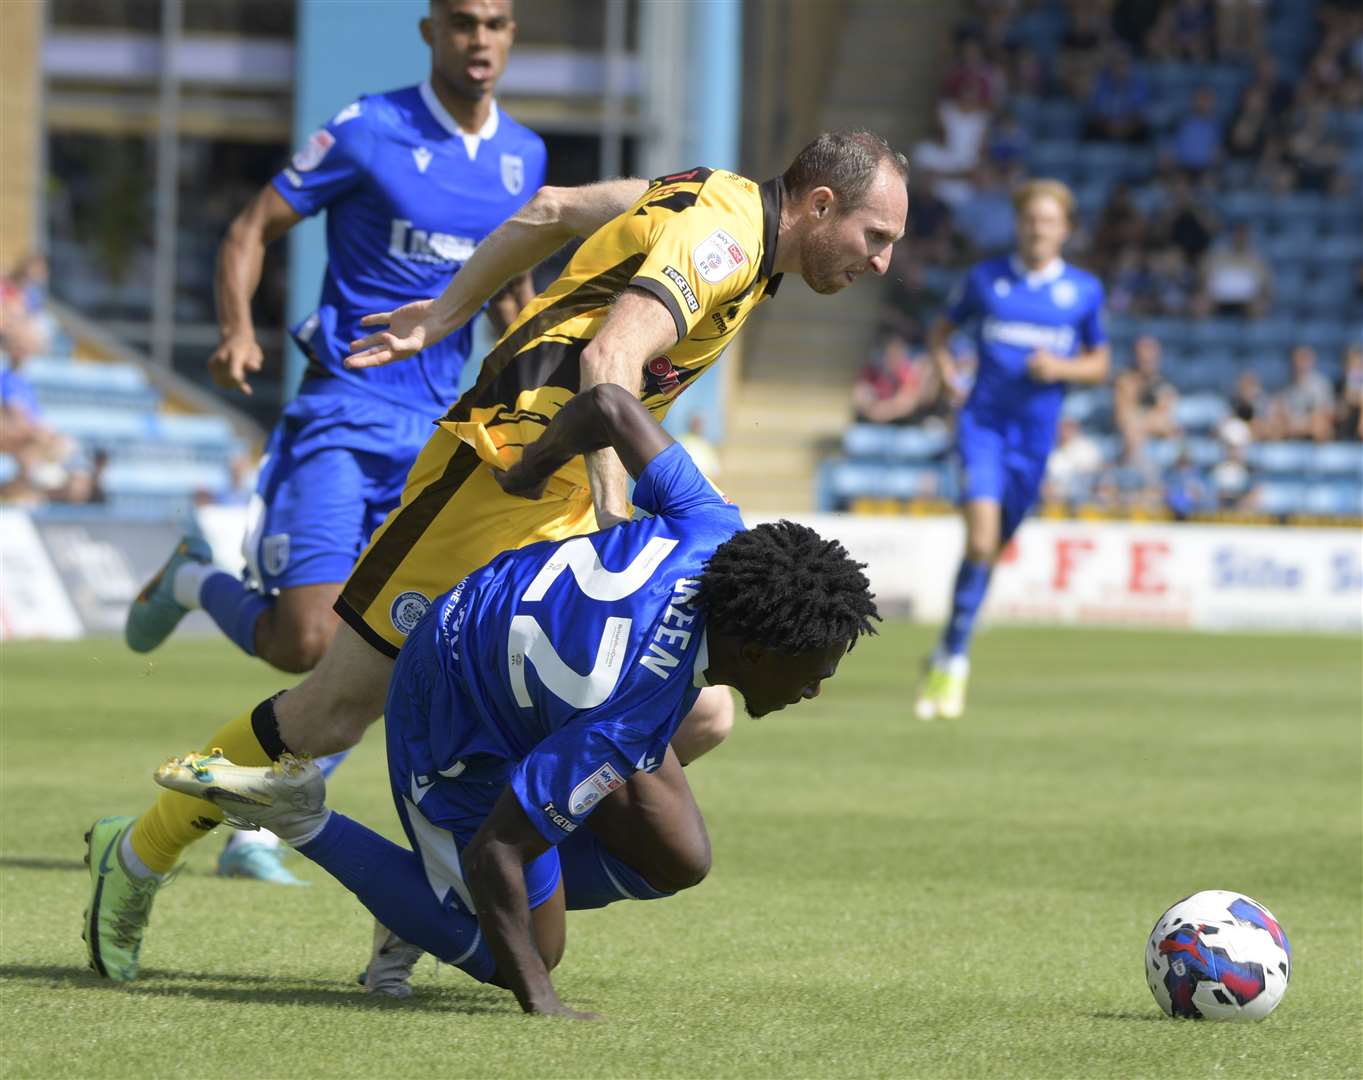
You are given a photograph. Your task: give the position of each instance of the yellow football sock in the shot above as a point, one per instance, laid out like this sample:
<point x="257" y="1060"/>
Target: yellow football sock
<point x="175" y="821"/>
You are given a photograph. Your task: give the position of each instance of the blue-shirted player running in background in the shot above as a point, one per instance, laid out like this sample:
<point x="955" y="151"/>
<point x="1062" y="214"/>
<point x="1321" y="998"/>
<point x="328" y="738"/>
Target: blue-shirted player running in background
<point x="545" y="687"/>
<point x="1038" y="326"/>
<point x="411" y="181"/>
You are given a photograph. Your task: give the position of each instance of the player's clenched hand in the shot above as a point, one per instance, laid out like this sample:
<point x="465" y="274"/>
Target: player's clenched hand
<point x="410" y="329"/>
<point x="233" y="359"/>
<point x="522" y="480"/>
<point x="1043" y="367"/>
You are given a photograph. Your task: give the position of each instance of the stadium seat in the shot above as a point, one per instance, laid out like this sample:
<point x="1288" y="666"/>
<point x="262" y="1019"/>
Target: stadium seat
<point x="1334" y="499"/>
<point x="1201" y="412"/>
<point x="919" y="443"/>
<point x="1282" y="497"/>
<point x="1338" y="460"/>
<point x="867" y="441"/>
<point x="9" y="468"/>
<point x="1204" y="452"/>
<point x="1282" y="459"/>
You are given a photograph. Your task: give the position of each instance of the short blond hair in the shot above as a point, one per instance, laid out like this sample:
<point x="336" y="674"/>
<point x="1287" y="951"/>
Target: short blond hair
<point x="1035" y="189"/>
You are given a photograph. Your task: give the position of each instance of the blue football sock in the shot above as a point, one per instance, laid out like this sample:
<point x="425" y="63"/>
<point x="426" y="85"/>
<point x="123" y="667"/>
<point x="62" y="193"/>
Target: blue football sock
<point x="235" y="608"/>
<point x="972" y="582"/>
<point x="391" y="882"/>
<point x="593" y="877"/>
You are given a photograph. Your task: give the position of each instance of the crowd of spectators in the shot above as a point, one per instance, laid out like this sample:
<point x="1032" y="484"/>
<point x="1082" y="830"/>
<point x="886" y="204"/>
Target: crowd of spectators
<point x="48" y="466"/>
<point x="1160" y="240"/>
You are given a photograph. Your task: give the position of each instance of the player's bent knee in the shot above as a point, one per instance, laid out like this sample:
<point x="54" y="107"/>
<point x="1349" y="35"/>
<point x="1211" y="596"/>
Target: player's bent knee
<point x="685" y="866"/>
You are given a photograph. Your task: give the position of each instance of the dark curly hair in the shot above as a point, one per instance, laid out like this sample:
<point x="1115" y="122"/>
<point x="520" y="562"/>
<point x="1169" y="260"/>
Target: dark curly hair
<point x="786" y="587"/>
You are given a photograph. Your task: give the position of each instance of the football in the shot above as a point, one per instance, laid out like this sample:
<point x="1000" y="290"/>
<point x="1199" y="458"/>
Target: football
<point x="1218" y="955"/>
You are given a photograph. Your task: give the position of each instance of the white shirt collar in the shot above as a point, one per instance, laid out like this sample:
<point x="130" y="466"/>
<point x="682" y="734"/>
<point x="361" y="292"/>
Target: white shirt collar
<point x="702" y="661"/>
<point x="472" y="140"/>
<point x="1048" y="273"/>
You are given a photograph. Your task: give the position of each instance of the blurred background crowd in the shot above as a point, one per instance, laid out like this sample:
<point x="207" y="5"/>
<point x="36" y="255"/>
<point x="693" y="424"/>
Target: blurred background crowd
<point x="1215" y="148"/>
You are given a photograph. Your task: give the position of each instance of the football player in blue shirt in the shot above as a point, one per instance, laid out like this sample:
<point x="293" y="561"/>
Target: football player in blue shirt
<point x="1038" y="326"/>
<point x="411" y="181"/>
<point x="544" y="688"/>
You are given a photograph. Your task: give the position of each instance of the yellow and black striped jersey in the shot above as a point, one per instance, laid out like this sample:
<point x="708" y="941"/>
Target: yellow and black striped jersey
<point x="703" y="242"/>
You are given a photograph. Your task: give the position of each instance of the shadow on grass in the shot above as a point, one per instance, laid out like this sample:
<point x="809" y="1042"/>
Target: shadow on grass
<point x="1123" y="1016"/>
<point x="20" y="862"/>
<point x="263" y="989"/>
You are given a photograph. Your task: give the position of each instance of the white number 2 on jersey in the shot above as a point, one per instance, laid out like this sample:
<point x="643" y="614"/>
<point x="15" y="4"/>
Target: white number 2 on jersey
<point x="527" y="642"/>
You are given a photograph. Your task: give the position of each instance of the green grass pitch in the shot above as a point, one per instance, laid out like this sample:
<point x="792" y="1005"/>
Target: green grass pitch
<point x="889" y="898"/>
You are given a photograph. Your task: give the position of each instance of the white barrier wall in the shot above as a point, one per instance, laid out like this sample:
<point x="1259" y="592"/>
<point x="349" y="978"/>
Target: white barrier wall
<point x="1091" y="573"/>
<point x="1208" y="577"/>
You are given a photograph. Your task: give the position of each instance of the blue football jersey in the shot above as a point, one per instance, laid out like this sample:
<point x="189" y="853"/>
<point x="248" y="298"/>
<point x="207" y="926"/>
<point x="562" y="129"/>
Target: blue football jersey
<point x="1015" y="313"/>
<point x="568" y="665"/>
<point x="408" y="196"/>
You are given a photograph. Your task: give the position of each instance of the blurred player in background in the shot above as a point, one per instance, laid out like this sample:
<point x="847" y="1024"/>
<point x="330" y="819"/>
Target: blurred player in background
<point x="499" y="750"/>
<point x="669" y="273"/>
<point x="411" y="181"/>
<point x="1038" y="326"/>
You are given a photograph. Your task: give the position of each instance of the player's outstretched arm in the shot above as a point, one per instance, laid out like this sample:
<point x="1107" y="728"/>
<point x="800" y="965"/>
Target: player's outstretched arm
<point x="495" y="863"/>
<point x="606" y="415"/>
<point x="538" y="229"/>
<point x="241" y="255"/>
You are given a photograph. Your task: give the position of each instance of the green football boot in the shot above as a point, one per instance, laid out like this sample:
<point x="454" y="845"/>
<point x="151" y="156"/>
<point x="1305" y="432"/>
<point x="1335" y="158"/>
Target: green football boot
<point x="120" y="904"/>
<point x="941" y="694"/>
<point x="156" y="613"/>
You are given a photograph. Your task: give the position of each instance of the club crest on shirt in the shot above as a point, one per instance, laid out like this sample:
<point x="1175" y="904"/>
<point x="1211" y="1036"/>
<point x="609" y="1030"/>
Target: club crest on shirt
<point x="513" y="173"/>
<point x="318" y="145"/>
<point x="1064" y="294"/>
<point x="593" y="789"/>
<point x="407" y="611"/>
<point x="274" y="553"/>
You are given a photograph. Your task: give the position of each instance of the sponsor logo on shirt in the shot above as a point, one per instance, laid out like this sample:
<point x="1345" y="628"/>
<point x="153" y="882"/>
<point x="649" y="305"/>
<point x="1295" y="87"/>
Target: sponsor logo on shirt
<point x="407" y="610"/>
<point x="319" y="144"/>
<point x="1025" y="335"/>
<point x="684" y="287"/>
<point x="419" y="245"/>
<point x="513" y="173"/>
<point x="660" y="377"/>
<point x="565" y="823"/>
<point x="718" y="256"/>
<point x="593" y="789"/>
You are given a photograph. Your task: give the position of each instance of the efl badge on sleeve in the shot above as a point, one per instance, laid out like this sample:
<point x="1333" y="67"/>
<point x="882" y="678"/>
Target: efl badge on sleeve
<point x="316" y="149"/>
<point x="513" y="173"/>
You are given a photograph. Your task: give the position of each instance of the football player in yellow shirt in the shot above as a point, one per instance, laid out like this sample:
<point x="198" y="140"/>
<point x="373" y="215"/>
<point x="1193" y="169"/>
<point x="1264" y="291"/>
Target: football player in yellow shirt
<point x="668" y="273"/>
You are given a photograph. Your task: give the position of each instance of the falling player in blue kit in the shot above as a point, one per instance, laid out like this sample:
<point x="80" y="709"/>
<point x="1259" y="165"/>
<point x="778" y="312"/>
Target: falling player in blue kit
<point x="1038" y="325"/>
<point x="411" y="181"/>
<point x="544" y="688"/>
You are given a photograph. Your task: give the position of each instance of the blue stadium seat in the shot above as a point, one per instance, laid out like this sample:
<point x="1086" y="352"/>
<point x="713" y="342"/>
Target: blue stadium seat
<point x="1200" y="412"/>
<point x="919" y="443"/>
<point x="1282" y="459"/>
<point x="1334" y="499"/>
<point x="867" y="441"/>
<point x="1204" y="452"/>
<point x="1282" y="497"/>
<point x="1162" y="453"/>
<point x="1338" y="460"/>
<point x="9" y="468"/>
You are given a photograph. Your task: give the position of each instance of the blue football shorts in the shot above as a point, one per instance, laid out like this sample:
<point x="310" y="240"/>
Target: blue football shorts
<point x="334" y="467"/>
<point x="441" y="814"/>
<point x="1000" y="463"/>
